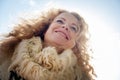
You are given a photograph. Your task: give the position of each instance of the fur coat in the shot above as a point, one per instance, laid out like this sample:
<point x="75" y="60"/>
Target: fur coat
<point x="32" y="62"/>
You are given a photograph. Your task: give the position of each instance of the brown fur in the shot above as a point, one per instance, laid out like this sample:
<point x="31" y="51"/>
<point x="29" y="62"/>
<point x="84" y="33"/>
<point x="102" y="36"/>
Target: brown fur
<point x="34" y="63"/>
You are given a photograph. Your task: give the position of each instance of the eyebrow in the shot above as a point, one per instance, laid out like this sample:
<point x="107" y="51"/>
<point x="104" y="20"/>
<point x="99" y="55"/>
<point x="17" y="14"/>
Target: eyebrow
<point x="63" y="18"/>
<point x="74" y="24"/>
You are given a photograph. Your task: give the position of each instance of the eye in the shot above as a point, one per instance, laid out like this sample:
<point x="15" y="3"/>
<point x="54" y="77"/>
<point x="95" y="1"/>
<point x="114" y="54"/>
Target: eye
<point x="60" y="21"/>
<point x="74" y="28"/>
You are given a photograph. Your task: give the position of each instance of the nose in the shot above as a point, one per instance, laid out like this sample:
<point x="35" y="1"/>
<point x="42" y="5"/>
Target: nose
<point x="65" y="26"/>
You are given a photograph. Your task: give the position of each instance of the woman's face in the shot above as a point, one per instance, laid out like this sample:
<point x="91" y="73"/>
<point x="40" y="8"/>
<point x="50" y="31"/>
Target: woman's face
<point x="63" y="31"/>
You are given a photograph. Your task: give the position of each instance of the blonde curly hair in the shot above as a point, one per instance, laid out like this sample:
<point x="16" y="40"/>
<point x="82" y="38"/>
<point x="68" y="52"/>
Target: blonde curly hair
<point x="37" y="27"/>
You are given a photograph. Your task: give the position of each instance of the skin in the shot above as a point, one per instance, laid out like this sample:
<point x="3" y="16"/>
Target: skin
<point x="62" y="32"/>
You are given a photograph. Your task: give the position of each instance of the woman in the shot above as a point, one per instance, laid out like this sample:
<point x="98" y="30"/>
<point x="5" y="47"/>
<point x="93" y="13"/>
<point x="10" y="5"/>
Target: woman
<point x="52" y="47"/>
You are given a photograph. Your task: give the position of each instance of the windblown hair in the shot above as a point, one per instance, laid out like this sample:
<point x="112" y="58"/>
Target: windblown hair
<point x="37" y="27"/>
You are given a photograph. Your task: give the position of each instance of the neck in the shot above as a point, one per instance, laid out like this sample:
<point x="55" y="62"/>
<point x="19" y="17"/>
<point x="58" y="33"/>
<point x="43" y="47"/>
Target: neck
<point x="58" y="48"/>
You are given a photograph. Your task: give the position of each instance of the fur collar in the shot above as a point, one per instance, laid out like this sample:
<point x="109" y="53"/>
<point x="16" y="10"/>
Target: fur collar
<point x="33" y="62"/>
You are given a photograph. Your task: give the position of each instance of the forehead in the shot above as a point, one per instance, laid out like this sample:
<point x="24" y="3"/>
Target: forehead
<point x="68" y="16"/>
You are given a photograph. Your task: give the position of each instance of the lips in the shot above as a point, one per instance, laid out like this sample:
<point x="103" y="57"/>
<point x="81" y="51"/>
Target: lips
<point x="63" y="33"/>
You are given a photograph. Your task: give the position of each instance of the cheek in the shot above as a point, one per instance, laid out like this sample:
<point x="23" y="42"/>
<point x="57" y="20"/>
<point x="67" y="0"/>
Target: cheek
<point x="73" y="36"/>
<point x="47" y="34"/>
<point x="50" y="30"/>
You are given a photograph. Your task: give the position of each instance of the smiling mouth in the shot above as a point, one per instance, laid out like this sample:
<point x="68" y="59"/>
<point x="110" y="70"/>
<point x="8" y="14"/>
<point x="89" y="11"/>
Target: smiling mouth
<point x="66" y="36"/>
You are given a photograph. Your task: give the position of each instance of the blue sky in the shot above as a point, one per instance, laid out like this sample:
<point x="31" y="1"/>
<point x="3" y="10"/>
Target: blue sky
<point x="108" y="9"/>
<point x="102" y="16"/>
